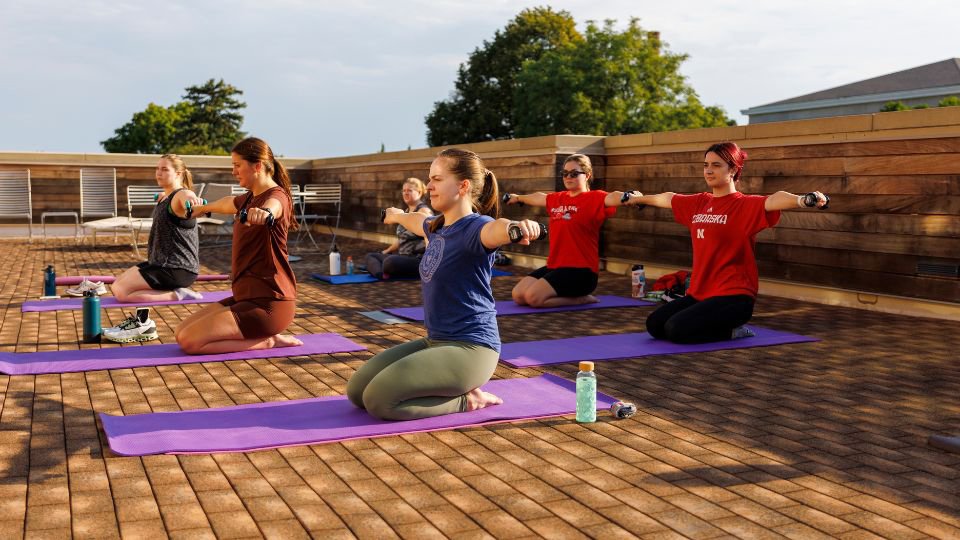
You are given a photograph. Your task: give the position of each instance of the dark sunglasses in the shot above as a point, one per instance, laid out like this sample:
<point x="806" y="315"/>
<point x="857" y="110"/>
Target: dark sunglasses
<point x="571" y="174"/>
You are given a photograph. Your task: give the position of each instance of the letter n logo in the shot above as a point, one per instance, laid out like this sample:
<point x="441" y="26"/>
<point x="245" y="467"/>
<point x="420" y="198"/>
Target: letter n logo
<point x="699" y="233"/>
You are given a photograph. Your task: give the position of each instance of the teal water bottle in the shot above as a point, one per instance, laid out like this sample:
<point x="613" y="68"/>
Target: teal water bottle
<point x="586" y="393"/>
<point x="49" y="281"/>
<point x="91" y="317"/>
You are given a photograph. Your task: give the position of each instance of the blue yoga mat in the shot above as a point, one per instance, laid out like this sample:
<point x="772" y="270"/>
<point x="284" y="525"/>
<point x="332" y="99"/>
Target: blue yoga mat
<point x="368" y="278"/>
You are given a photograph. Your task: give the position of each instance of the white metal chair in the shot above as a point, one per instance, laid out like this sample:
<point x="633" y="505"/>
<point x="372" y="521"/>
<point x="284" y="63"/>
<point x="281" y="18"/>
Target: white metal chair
<point x="98" y="198"/>
<point x="318" y="194"/>
<point x="16" y="199"/>
<point x="140" y="196"/>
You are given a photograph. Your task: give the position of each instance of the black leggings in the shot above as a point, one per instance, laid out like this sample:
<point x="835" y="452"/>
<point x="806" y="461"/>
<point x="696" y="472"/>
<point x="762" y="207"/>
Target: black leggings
<point x="688" y="320"/>
<point x="392" y="266"/>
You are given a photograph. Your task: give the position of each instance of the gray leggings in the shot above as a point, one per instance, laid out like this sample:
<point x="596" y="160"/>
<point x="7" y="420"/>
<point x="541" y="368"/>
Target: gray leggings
<point x="421" y="378"/>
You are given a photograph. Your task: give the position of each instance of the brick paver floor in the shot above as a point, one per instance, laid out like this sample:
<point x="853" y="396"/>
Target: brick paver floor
<point x="811" y="440"/>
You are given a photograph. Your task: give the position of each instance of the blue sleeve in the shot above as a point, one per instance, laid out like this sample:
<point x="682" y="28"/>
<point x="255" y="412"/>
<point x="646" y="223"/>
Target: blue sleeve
<point x="472" y="236"/>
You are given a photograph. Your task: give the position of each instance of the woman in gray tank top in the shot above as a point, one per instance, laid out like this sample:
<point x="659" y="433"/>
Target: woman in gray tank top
<point x="173" y="261"/>
<point x="401" y="259"/>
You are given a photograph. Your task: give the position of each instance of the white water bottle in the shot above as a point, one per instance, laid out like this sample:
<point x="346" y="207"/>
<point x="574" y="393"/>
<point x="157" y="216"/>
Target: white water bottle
<point x="334" y="261"/>
<point x="638" y="280"/>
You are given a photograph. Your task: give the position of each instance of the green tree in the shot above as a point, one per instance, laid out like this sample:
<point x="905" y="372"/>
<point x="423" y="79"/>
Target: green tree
<point x="481" y="106"/>
<point x="607" y="84"/>
<point x="150" y="131"/>
<point x="206" y="122"/>
<point x="213" y="123"/>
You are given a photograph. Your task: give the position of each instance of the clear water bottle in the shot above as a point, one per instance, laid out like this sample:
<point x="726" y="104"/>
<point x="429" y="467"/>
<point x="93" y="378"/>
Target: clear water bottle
<point x="334" y="261"/>
<point x="638" y="281"/>
<point x="586" y="393"/>
<point x="349" y="264"/>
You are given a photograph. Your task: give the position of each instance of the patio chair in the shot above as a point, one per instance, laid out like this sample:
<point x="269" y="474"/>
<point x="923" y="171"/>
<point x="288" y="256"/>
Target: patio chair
<point x="15" y="196"/>
<point x="98" y="198"/>
<point x="318" y="194"/>
<point x="140" y="196"/>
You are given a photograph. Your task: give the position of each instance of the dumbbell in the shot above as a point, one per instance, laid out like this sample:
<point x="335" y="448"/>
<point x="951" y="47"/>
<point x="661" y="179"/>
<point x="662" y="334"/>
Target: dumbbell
<point x="810" y="200"/>
<point x="383" y="215"/>
<point x="626" y="197"/>
<point x="269" y="222"/>
<point x="189" y="211"/>
<point x="622" y="409"/>
<point x="506" y="199"/>
<point x="516" y="233"/>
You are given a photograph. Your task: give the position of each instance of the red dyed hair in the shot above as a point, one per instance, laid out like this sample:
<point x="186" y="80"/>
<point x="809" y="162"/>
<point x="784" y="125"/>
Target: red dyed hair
<point x="732" y="154"/>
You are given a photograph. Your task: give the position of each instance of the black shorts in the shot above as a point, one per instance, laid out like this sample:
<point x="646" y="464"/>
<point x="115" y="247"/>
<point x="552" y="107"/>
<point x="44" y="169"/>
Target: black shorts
<point x="165" y="279"/>
<point x="567" y="281"/>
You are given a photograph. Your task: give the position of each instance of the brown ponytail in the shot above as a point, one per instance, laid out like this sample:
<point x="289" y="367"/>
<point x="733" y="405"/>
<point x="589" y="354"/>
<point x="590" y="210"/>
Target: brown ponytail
<point x="180" y="169"/>
<point x="256" y="150"/>
<point x="484" y="193"/>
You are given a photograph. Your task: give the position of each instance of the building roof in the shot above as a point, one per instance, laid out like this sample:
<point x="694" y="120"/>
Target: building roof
<point x="943" y="73"/>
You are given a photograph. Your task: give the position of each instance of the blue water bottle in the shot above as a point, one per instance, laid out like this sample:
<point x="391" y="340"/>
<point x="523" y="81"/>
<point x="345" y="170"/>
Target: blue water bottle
<point x="49" y="282"/>
<point x="91" y="317"/>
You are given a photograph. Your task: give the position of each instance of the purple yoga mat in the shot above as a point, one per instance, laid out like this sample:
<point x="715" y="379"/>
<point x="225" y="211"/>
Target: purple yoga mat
<point x="611" y="347"/>
<point x="157" y="355"/>
<point x="324" y="419"/>
<point x="111" y="302"/>
<point x="75" y="280"/>
<point x="510" y="307"/>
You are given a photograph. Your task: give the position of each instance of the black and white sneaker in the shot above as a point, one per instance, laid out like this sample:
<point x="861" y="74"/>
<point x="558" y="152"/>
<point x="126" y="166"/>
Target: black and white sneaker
<point x="137" y="327"/>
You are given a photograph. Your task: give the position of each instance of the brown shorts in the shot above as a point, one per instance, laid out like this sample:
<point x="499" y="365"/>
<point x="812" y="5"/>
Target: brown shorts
<point x="261" y="317"/>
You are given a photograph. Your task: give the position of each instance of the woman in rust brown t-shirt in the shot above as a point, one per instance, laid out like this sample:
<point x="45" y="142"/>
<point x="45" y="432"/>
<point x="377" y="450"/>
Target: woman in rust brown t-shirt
<point x="264" y="287"/>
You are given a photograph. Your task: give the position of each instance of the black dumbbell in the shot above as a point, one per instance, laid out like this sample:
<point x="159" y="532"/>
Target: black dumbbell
<point x="189" y="211"/>
<point x="506" y="199"/>
<point x="626" y="197"/>
<point x="383" y="215"/>
<point x="269" y="221"/>
<point x="516" y="233"/>
<point x="810" y="200"/>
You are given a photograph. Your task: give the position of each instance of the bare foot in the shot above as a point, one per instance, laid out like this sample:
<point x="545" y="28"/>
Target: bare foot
<point x="281" y="340"/>
<point x="478" y="399"/>
<point x="588" y="299"/>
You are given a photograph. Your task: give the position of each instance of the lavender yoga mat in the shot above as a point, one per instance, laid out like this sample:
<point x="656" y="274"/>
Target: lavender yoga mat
<point x="324" y="419"/>
<point x="611" y="347"/>
<point x="509" y="307"/>
<point x="367" y="278"/>
<point x="111" y="302"/>
<point x="157" y="355"/>
<point x="75" y="280"/>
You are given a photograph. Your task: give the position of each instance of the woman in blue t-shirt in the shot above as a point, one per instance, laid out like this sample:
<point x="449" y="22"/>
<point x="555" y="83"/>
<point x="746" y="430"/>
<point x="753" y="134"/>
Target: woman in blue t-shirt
<point x="442" y="373"/>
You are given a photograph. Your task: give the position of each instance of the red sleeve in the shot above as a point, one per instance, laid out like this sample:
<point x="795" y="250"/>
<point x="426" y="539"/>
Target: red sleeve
<point x="552" y="201"/>
<point x="603" y="211"/>
<point x="683" y="207"/>
<point x="755" y="217"/>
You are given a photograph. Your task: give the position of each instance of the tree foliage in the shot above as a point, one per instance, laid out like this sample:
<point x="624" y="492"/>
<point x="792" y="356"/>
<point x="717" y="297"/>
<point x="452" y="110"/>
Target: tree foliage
<point x="540" y="76"/>
<point x="206" y="122"/>
<point x="612" y="82"/>
<point x="890" y="106"/>
<point x="481" y="106"/>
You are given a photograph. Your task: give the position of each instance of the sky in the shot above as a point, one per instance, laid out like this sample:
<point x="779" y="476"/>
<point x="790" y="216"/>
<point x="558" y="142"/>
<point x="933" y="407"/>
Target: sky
<point x="324" y="78"/>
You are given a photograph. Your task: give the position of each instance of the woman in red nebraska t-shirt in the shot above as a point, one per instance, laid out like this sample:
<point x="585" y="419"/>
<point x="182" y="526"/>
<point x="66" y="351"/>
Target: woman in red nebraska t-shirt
<point x="723" y="226"/>
<point x="576" y="215"/>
